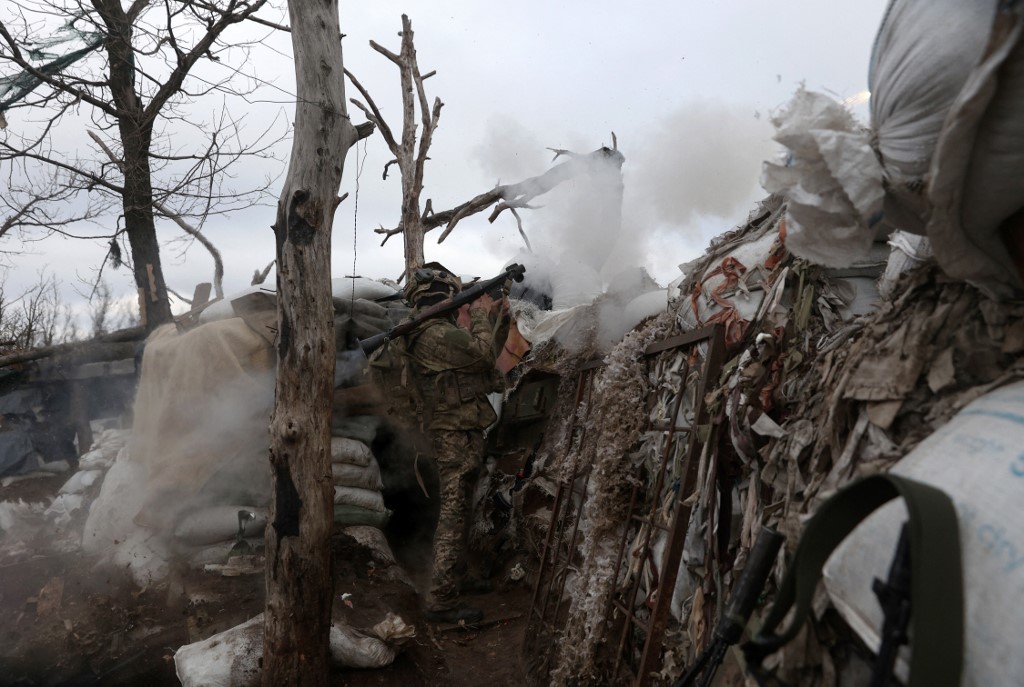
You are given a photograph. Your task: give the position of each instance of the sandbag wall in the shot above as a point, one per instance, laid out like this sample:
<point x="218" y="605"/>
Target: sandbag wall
<point x="194" y="483"/>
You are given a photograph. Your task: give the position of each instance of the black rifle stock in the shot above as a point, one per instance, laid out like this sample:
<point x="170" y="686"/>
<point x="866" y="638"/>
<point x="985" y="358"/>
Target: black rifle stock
<point x="738" y="610"/>
<point x="513" y="272"/>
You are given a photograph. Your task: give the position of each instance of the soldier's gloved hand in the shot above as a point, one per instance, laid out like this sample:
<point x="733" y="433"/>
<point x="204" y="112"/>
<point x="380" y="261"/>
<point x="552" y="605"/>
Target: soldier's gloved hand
<point x="488" y="304"/>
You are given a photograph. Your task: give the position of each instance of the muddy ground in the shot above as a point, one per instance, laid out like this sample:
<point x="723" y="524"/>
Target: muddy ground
<point x="63" y="621"/>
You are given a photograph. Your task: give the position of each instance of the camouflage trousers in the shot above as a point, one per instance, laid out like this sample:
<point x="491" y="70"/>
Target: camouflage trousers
<point x="458" y="456"/>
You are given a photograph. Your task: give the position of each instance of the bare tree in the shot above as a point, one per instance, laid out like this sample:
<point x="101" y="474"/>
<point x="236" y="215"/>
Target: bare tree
<point x="131" y="78"/>
<point x="35" y="317"/>
<point x="100" y="309"/>
<point x="298" y="575"/>
<point x="410" y="155"/>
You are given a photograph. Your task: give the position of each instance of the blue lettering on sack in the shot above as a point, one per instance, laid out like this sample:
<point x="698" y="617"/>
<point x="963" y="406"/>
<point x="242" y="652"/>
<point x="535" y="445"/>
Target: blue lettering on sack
<point x="994" y="537"/>
<point x="1017" y="466"/>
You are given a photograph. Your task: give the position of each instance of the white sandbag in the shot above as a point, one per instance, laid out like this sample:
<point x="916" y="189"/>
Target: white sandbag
<point x="80" y="481"/>
<point x="219" y="552"/>
<point x="144" y="555"/>
<point x="351" y="451"/>
<point x="976" y="458"/>
<point x="228" y="659"/>
<point x="97" y="459"/>
<point x="222" y="309"/>
<point x="908" y="251"/>
<point x="363" y="498"/>
<point x="348" y="475"/>
<point x="978" y="165"/>
<point x="369" y="289"/>
<point x="354" y="649"/>
<point x="923" y="54"/>
<point x="947" y="89"/>
<point x="111" y="514"/>
<point x="830" y="178"/>
<point x="62" y="510"/>
<point x="232" y="658"/>
<point x="112" y="440"/>
<point x="217" y="524"/>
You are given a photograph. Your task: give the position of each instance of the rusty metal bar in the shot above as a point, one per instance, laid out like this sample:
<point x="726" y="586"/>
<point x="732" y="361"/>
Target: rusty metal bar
<point x="559" y="495"/>
<point x="681" y="515"/>
<point x="645" y="547"/>
<point x="552" y="555"/>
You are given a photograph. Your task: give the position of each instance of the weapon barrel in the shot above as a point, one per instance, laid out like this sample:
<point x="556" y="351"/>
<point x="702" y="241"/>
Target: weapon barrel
<point x="514" y="272"/>
<point x="751" y="583"/>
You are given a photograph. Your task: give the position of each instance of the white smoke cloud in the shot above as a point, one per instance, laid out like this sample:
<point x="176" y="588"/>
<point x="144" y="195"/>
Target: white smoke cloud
<point x="703" y="159"/>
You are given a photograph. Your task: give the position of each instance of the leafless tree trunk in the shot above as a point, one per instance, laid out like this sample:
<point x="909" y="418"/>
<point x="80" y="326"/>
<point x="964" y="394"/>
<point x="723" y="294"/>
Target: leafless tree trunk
<point x="298" y="575"/>
<point x="150" y="50"/>
<point x="409" y="157"/>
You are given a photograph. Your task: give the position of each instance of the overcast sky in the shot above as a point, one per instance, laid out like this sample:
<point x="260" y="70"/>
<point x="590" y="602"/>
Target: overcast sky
<point x="687" y="87"/>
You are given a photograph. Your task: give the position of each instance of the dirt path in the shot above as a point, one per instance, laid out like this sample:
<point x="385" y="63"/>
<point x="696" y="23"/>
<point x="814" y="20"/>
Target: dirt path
<point x="69" y="623"/>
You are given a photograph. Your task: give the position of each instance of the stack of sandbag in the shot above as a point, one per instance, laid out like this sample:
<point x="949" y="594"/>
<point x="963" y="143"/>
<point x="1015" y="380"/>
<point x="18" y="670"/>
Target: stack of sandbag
<point x="357" y="484"/>
<point x="943" y="157"/>
<point x="210" y="535"/>
<point x="83" y="486"/>
<point x="344" y="288"/>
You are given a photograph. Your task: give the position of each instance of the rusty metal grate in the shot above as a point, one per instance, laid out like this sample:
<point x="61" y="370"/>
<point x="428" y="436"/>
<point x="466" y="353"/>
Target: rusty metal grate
<point x="548" y="606"/>
<point x="640" y="635"/>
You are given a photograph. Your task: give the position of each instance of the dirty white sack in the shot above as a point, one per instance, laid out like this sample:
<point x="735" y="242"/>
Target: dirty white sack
<point x="977" y="172"/>
<point x="363" y="498"/>
<point x="947" y="88"/>
<point x="830" y="178"/>
<point x="214" y="524"/>
<point x="350" y="451"/>
<point x="364" y="287"/>
<point x="348" y="475"/>
<point x="976" y="458"/>
<point x="80" y="481"/>
<point x="231" y="658"/>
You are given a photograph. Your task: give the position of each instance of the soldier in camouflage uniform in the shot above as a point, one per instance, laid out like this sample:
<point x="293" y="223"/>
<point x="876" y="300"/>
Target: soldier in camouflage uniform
<point x="455" y="372"/>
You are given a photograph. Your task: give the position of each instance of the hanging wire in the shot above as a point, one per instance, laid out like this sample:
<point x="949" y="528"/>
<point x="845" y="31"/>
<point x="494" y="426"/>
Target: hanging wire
<point x="360" y="164"/>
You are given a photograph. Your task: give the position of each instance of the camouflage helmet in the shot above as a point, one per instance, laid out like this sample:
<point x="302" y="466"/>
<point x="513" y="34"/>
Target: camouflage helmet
<point x="432" y="278"/>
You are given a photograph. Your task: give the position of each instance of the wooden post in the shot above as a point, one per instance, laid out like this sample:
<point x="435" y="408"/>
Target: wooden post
<point x="298" y="538"/>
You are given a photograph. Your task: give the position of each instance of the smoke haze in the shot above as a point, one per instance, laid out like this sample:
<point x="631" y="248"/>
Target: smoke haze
<point x="690" y="176"/>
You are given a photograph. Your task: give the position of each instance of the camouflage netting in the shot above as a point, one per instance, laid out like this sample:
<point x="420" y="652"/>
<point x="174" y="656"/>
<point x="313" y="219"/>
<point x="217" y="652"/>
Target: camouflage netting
<point x="810" y="398"/>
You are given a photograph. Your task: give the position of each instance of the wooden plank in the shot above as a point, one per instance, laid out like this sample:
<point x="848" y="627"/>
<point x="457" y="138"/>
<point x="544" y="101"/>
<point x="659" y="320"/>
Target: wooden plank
<point x="201" y="296"/>
<point x="681" y="340"/>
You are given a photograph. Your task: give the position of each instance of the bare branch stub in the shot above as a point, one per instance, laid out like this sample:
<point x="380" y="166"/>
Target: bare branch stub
<point x="260" y="276"/>
<point x="519" y="195"/>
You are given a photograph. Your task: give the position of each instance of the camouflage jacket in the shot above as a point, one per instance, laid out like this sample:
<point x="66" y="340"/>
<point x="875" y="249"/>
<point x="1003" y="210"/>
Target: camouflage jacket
<point x="456" y="371"/>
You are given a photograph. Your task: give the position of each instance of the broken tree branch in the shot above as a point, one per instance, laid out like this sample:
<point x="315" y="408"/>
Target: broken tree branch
<point x="512" y="196"/>
<point x="258" y="277"/>
<point x="373" y="114"/>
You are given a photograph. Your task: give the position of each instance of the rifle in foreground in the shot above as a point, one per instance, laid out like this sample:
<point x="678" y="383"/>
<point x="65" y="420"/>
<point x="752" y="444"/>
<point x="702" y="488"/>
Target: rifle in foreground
<point x="737" y="612"/>
<point x="494" y="286"/>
